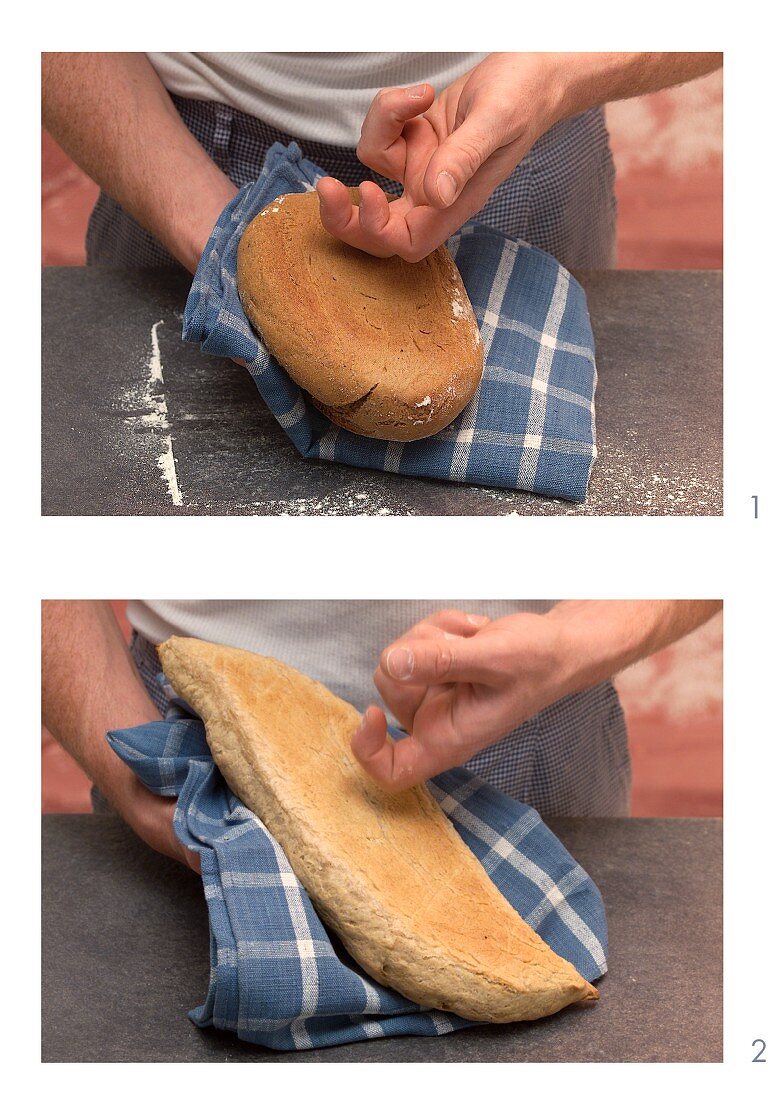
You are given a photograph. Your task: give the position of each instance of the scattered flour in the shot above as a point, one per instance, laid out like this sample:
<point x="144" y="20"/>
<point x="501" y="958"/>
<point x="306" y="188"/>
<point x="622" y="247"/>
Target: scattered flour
<point x="343" y="503"/>
<point x="166" y="463"/>
<point x="146" y="403"/>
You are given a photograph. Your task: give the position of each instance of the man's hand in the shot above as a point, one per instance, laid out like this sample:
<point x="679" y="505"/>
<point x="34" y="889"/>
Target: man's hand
<point x="450" y="152"/>
<point x="89" y="684"/>
<point x="152" y="818"/>
<point x="457" y="683"/>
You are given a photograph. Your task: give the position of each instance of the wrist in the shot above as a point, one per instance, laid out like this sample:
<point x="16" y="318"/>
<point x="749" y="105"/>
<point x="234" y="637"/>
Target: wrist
<point x="119" y="786"/>
<point x="555" y="91"/>
<point x="595" y="640"/>
<point x="112" y="776"/>
<point x="137" y="805"/>
<point x="151" y="817"/>
<point x="191" y="233"/>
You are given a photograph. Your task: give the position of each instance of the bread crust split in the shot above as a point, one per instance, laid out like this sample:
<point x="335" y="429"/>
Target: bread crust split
<point x="387" y="872"/>
<point x="385" y="348"/>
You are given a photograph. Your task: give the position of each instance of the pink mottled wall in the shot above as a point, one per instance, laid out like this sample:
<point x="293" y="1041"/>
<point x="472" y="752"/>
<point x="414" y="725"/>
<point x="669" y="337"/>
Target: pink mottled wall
<point x="668" y="158"/>
<point x="673" y="704"/>
<point x="67" y="197"/>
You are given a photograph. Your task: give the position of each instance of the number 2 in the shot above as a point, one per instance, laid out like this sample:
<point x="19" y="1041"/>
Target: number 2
<point x="758" y="1056"/>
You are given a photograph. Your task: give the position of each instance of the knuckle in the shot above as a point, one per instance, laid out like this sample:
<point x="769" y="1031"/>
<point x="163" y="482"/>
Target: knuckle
<point x="383" y="100"/>
<point x="444" y="663"/>
<point x="472" y="157"/>
<point x="372" y="158"/>
<point x="506" y="110"/>
<point x="502" y="668"/>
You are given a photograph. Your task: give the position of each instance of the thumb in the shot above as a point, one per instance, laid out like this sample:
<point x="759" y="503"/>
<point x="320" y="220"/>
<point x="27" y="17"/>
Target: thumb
<point x="460" y="156"/>
<point x="442" y="660"/>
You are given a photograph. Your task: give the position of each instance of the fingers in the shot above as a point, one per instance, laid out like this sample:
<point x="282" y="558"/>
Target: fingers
<point x="452" y="621"/>
<point x="373" y="210"/>
<point x="446" y="660"/>
<point x="394" y="765"/>
<point x="179" y="851"/>
<point x="403" y="698"/>
<point x="379" y="144"/>
<point x="460" y="156"/>
<point x="365" y="226"/>
<point x="337" y="210"/>
<point x="382" y="228"/>
<point x="427" y="227"/>
<point x="370" y="736"/>
<point x="193" y="860"/>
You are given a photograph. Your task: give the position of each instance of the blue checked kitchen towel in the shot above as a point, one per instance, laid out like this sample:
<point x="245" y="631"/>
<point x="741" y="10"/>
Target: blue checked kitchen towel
<point x="531" y="423"/>
<point x="277" y="977"/>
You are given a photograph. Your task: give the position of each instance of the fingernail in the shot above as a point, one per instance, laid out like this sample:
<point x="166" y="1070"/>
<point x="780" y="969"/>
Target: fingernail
<point x="446" y="185"/>
<point x="400" y="663"/>
<point x="477" y="620"/>
<point x="358" y="732"/>
<point x="417" y="92"/>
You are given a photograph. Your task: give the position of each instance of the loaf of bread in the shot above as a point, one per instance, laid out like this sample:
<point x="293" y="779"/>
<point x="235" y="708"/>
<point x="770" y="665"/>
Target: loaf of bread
<point x="387" y="872"/>
<point x="384" y="348"/>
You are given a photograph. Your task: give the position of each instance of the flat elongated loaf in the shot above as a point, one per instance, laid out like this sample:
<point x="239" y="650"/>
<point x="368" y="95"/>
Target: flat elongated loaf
<point x="385" y="348"/>
<point x="388" y="873"/>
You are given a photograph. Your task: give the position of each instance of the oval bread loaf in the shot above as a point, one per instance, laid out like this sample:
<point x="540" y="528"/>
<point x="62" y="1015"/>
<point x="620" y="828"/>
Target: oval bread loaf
<point x="387" y="872"/>
<point x="384" y="348"/>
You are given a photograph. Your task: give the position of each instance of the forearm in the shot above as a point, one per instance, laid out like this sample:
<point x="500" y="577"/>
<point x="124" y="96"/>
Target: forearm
<point x="590" y="79"/>
<point x="600" y="638"/>
<point x="89" y="686"/>
<point x="114" y="118"/>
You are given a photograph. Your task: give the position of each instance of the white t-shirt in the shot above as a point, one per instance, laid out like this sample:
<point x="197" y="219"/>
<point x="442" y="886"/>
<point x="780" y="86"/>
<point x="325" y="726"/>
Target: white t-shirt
<point x="315" y="96"/>
<point x="337" y="642"/>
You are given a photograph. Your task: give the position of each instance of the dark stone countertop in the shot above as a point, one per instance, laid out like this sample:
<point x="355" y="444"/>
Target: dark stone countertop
<point x="659" y="411"/>
<point x="125" y="955"/>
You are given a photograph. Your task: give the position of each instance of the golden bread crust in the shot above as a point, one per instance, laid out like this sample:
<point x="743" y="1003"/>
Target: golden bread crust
<point x="385" y="348"/>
